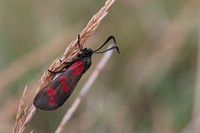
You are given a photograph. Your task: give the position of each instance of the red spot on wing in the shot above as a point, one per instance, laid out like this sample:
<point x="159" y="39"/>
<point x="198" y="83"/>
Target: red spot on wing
<point x="52" y="101"/>
<point x="51" y="92"/>
<point x="77" y="67"/>
<point x="65" y="88"/>
<point x="78" y="70"/>
<point x="62" y="79"/>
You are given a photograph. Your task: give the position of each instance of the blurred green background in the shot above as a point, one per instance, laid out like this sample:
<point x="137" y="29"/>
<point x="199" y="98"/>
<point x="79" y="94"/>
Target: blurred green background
<point x="151" y="87"/>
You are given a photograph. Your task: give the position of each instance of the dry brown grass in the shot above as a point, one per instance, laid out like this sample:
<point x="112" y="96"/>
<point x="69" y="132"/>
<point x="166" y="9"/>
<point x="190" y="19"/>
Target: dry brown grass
<point x="21" y="113"/>
<point x="25" y="114"/>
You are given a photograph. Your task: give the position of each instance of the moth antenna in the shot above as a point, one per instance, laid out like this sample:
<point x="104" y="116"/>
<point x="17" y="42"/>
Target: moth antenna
<point x="113" y="47"/>
<point x="109" y="38"/>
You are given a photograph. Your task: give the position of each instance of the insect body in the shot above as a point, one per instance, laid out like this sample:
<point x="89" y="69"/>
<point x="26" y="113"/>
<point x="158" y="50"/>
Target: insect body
<point x="59" y="89"/>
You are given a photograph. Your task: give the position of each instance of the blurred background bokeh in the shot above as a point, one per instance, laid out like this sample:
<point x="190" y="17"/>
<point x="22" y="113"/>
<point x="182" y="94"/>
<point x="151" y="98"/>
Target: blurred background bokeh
<point x="153" y="86"/>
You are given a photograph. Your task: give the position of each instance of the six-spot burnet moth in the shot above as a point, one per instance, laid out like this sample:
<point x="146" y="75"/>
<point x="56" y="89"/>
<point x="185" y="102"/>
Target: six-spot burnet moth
<point x="61" y="87"/>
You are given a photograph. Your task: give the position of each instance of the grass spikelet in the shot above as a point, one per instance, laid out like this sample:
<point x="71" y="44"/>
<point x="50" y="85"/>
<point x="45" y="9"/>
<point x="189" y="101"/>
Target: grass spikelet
<point x="25" y="115"/>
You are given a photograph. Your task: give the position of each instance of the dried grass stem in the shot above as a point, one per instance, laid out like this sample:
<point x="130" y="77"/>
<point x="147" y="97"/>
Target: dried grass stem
<point x="24" y="116"/>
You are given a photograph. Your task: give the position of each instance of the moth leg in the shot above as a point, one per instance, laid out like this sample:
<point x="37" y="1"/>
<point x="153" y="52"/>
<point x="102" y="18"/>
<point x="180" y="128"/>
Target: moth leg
<point x="67" y="65"/>
<point x="70" y="63"/>
<point x="55" y="71"/>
